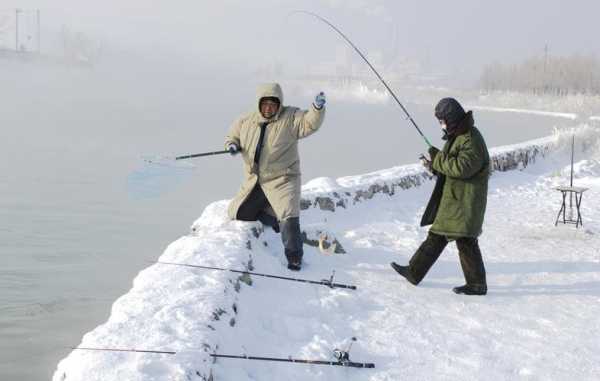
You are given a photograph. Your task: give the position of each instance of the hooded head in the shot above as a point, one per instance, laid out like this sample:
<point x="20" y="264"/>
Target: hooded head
<point x="453" y="116"/>
<point x="269" y="92"/>
<point x="450" y="111"/>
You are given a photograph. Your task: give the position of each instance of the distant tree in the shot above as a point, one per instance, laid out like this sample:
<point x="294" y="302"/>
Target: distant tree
<point x="575" y="74"/>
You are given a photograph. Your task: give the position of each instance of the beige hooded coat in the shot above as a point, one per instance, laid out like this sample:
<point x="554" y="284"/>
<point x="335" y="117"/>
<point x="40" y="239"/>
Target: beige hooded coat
<point x="278" y="171"/>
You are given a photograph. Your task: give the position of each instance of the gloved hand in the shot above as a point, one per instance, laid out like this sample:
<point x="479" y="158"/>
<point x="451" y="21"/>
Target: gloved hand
<point x="426" y="163"/>
<point x="234" y="149"/>
<point x="320" y="100"/>
<point x="432" y="152"/>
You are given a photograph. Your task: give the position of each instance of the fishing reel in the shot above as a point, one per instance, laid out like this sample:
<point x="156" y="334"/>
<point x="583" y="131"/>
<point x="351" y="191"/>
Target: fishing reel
<point x="340" y="355"/>
<point x="343" y="355"/>
<point x="329" y="282"/>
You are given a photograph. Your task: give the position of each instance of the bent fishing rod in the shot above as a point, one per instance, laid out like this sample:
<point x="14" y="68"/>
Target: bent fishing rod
<point x="325" y="282"/>
<point x="408" y="116"/>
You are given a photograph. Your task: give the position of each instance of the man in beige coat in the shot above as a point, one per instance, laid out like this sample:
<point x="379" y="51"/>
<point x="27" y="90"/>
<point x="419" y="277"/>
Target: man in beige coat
<point x="268" y="141"/>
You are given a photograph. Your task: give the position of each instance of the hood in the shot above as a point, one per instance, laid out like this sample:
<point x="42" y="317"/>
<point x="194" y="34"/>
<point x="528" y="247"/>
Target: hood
<point x="269" y="90"/>
<point x="449" y="110"/>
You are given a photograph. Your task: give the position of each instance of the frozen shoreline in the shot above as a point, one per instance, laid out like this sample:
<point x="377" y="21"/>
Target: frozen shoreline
<point x="197" y="312"/>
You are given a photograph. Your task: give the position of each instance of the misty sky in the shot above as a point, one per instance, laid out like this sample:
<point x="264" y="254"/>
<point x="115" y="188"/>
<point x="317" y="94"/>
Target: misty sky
<point x="447" y="35"/>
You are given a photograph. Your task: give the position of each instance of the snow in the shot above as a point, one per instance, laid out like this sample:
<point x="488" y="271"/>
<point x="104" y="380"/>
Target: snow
<point x="321" y="184"/>
<point x="565" y="115"/>
<point x="540" y="319"/>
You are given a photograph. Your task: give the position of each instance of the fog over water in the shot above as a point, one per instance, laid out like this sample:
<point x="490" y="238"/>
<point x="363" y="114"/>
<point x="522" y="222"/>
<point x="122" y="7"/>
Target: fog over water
<point x="170" y="80"/>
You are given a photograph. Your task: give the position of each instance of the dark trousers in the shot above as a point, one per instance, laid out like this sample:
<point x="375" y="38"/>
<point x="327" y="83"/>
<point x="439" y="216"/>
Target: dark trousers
<point x="468" y="252"/>
<point x="253" y="209"/>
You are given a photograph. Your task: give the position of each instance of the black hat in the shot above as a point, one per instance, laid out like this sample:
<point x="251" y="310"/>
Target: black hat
<point x="450" y="111"/>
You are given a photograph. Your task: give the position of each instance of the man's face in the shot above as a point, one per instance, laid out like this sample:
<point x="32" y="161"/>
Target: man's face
<point x="268" y="108"/>
<point x="443" y="124"/>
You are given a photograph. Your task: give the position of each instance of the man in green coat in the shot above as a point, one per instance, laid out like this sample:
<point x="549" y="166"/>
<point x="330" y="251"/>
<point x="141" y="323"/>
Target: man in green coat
<point x="268" y="141"/>
<point x="457" y="205"/>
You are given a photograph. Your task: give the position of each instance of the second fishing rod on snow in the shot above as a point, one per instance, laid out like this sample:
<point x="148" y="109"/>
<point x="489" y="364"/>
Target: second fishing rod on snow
<point x="408" y="116"/>
<point x="325" y="282"/>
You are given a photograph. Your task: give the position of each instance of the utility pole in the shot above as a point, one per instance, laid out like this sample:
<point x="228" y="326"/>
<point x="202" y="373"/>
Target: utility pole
<point x="17" y="29"/>
<point x="39" y="33"/>
<point x="545" y="57"/>
<point x="545" y="80"/>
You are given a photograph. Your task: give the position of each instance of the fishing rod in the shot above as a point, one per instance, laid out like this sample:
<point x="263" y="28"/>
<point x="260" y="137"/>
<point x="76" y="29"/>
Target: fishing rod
<point x="408" y="116"/>
<point x="201" y="154"/>
<point x="345" y="363"/>
<point x="325" y="282"/>
<point x="167" y="160"/>
<point x="343" y="359"/>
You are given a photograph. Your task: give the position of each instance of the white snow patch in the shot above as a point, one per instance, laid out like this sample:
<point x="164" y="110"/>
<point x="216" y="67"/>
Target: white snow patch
<point x="565" y="115"/>
<point x="320" y="185"/>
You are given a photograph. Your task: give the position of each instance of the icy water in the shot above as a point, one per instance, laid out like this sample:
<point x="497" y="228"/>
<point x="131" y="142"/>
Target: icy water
<point x="73" y="236"/>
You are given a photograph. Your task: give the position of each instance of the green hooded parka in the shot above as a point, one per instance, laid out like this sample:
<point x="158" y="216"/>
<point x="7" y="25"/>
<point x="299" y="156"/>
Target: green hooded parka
<point x="457" y="205"/>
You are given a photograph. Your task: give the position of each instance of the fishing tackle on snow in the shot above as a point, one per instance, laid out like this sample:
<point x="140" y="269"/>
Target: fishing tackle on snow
<point x="324" y="282"/>
<point x="345" y="363"/>
<point x="342" y="357"/>
<point x="408" y="116"/>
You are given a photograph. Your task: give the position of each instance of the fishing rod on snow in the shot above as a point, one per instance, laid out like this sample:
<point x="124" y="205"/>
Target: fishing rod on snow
<point x="346" y="363"/>
<point x="325" y="282"/>
<point x="342" y="357"/>
<point x="408" y="116"/>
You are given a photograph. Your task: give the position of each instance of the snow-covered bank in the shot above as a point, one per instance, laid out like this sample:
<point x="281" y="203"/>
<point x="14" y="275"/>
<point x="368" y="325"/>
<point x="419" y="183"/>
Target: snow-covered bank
<point x="581" y="104"/>
<point x="539" y="321"/>
<point x="329" y="194"/>
<point x="565" y="115"/>
<point x="372" y="91"/>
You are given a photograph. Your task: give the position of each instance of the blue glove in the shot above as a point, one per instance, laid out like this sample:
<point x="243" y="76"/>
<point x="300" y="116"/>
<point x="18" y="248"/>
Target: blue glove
<point x="320" y="100"/>
<point x="233" y="149"/>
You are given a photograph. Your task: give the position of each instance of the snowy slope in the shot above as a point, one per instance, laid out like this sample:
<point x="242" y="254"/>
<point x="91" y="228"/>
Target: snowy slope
<point x="540" y="320"/>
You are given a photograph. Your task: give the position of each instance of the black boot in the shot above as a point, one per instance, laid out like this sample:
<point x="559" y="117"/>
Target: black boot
<point x="471" y="289"/>
<point x="404" y="271"/>
<point x="292" y="242"/>
<point x="471" y="262"/>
